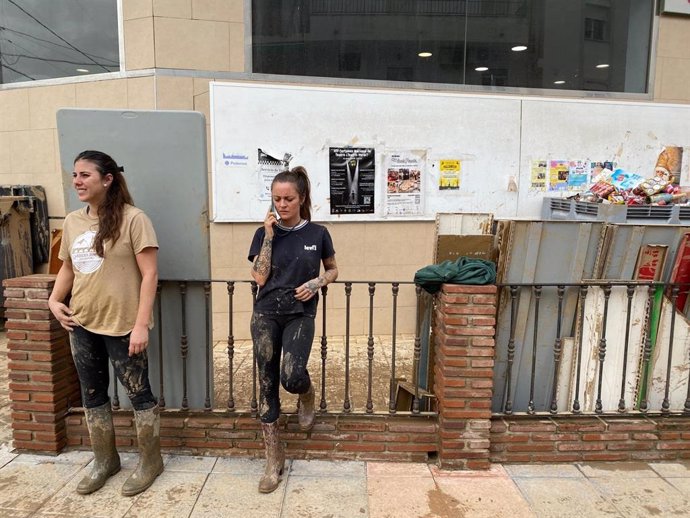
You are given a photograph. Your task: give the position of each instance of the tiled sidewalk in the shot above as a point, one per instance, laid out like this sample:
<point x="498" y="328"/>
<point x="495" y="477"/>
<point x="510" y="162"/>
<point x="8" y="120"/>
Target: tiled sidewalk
<point x="32" y="485"/>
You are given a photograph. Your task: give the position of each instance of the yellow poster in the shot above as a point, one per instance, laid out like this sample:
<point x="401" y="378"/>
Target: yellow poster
<point x="449" y="177"/>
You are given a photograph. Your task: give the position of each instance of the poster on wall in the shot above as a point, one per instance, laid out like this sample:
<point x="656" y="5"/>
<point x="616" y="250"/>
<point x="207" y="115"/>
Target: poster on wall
<point x="267" y="168"/>
<point x="558" y="175"/>
<point x="352" y="178"/>
<point x="404" y="171"/>
<point x="538" y="175"/>
<point x="578" y="174"/>
<point x="449" y="174"/>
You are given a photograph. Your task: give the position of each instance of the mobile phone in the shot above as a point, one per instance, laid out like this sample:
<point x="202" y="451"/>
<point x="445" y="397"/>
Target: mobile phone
<point x="275" y="212"/>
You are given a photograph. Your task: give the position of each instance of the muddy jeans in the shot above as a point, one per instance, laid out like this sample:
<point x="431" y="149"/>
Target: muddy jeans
<point x="91" y="352"/>
<point x="291" y="335"/>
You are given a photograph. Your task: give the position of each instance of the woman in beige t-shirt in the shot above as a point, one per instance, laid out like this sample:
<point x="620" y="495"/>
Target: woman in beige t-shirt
<point x="109" y="252"/>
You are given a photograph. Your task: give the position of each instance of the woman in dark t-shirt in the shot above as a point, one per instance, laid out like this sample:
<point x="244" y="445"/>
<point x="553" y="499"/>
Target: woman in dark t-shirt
<point x="287" y="253"/>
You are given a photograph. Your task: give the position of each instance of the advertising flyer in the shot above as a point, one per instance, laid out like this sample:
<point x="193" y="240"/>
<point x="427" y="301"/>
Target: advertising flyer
<point x="558" y="175"/>
<point x="404" y="170"/>
<point x="578" y="174"/>
<point x="449" y="174"/>
<point x="267" y="168"/>
<point x="538" y="175"/>
<point x="352" y="178"/>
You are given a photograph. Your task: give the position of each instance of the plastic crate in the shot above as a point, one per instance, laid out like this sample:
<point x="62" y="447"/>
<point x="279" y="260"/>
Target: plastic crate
<point x="572" y="210"/>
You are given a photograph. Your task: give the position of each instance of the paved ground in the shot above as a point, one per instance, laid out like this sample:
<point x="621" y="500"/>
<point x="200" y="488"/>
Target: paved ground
<point x="32" y="485"/>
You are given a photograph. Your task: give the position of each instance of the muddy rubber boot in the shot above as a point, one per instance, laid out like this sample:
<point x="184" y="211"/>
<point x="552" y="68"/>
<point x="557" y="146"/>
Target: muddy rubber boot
<point x="150" y="460"/>
<point x="106" y="462"/>
<point x="305" y="414"/>
<point x="275" y="458"/>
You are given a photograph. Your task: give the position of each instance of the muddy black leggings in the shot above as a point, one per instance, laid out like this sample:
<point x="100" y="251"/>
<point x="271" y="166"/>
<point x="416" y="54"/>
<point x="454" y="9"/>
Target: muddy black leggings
<point x="290" y="336"/>
<point x="91" y="352"/>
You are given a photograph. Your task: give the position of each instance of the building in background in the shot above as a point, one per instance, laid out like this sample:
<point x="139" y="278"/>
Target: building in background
<point x="161" y="55"/>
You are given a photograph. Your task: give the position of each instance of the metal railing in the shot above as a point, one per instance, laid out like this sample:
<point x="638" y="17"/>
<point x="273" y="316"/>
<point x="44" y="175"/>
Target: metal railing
<point x="597" y="347"/>
<point x="334" y="373"/>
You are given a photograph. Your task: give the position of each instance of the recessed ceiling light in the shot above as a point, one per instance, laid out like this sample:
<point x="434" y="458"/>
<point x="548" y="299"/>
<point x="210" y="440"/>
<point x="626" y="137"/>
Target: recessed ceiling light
<point x="518" y="48"/>
<point x="603" y="65"/>
<point x="482" y="69"/>
<point x="560" y="82"/>
<point x="425" y="54"/>
<point x="83" y="70"/>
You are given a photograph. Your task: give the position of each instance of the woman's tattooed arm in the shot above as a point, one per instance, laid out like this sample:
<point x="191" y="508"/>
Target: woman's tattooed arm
<point x="330" y="275"/>
<point x="261" y="268"/>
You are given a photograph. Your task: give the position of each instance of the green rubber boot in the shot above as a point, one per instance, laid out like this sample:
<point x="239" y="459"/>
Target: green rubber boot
<point x="106" y="462"/>
<point x="150" y="460"/>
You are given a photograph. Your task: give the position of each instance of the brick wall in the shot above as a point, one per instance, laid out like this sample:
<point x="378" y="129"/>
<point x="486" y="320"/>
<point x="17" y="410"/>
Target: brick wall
<point x="381" y="437"/>
<point x="43" y="382"/>
<point x="576" y="439"/>
<point x="463" y="373"/>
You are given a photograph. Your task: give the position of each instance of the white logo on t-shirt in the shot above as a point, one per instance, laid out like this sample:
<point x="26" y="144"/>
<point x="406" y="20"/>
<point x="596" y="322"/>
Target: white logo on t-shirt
<point x="84" y="257"/>
<point x="310" y="247"/>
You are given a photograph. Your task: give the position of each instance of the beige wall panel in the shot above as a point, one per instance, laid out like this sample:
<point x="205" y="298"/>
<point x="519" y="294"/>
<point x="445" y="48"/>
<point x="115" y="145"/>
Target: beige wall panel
<point x="173" y="8"/>
<point x="674" y="37"/>
<point x="237" y="47"/>
<point x="141" y="93"/>
<point x="5" y="146"/>
<point x="201" y="104"/>
<point x="44" y="102"/>
<point x="349" y="246"/>
<point x="174" y="93"/>
<point x="218" y="10"/>
<point x="403" y="243"/>
<point x="139" y="50"/>
<point x="201" y="85"/>
<point x="658" y="71"/>
<point x="14" y="110"/>
<point x="17" y="179"/>
<point x="102" y="94"/>
<point x="32" y="152"/>
<point x="52" y="183"/>
<point x="133" y="9"/>
<point x="194" y="44"/>
<point x="675" y="80"/>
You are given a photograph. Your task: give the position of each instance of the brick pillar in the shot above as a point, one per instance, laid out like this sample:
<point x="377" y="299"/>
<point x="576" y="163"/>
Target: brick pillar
<point x="463" y="382"/>
<point x="43" y="381"/>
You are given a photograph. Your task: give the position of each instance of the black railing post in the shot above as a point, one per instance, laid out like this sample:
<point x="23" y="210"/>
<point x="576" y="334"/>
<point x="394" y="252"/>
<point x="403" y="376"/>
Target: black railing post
<point x="582" y="299"/>
<point x="231" y="347"/>
<point x="535" y="337"/>
<point x="602" y="349"/>
<point x="159" y="318"/>
<point x="393" y="388"/>
<point x="557" y="348"/>
<point x="208" y="343"/>
<point x="630" y="291"/>
<point x="370" y="347"/>
<point x="323" y="405"/>
<point x="508" y="409"/>
<point x="348" y="293"/>
<point x="647" y="354"/>
<point x="184" y="348"/>
<point x="417" y="350"/>
<point x="666" y="405"/>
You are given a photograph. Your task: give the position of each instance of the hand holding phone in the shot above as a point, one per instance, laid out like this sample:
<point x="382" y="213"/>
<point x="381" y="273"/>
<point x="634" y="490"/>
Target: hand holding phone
<point x="275" y="212"/>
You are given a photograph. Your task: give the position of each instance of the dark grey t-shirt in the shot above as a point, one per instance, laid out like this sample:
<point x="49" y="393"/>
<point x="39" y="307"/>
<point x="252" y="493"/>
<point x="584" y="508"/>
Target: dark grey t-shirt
<point x="295" y="259"/>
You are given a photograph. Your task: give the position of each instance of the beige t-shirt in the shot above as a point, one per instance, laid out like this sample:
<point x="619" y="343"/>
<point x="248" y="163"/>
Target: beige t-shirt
<point x="105" y="293"/>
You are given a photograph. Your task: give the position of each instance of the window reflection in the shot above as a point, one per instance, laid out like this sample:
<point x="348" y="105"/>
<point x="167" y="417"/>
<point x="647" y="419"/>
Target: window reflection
<point x="42" y="39"/>
<point x="511" y="43"/>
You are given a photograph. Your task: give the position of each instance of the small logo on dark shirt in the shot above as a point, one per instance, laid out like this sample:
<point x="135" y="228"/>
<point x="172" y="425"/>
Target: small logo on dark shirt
<point x="312" y="247"/>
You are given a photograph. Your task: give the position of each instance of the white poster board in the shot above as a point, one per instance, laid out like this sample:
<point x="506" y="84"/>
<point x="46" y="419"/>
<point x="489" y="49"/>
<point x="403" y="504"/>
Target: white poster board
<point x="494" y="141"/>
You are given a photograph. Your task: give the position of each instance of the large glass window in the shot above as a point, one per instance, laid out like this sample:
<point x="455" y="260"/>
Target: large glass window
<point x="41" y="39"/>
<point x="600" y="45"/>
